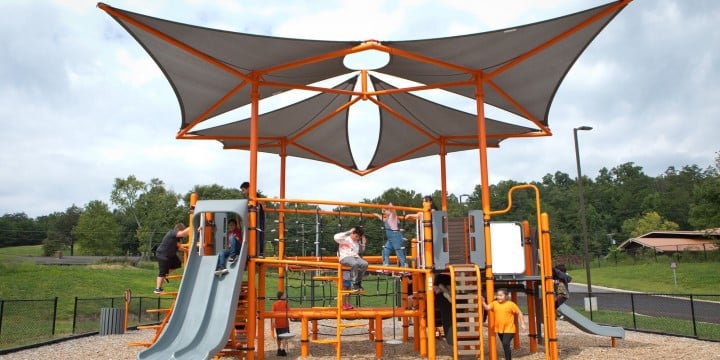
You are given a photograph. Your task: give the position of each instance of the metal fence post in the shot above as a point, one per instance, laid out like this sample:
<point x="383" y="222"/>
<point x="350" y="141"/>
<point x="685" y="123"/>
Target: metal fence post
<point x="140" y="310"/>
<point x="74" y="315"/>
<point x="692" y="314"/>
<point x="632" y="308"/>
<point x="54" y="317"/>
<point x="2" y="305"/>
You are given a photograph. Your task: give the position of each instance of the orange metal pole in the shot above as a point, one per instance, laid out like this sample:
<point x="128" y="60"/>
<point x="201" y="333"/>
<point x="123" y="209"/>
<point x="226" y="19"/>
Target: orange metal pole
<point x="429" y="330"/>
<point x="485" y="190"/>
<point x="379" y="336"/>
<point x="208" y="243"/>
<point x="551" y="349"/>
<point x="530" y="286"/>
<point x="443" y="175"/>
<point x="304" y="337"/>
<point x="252" y="327"/>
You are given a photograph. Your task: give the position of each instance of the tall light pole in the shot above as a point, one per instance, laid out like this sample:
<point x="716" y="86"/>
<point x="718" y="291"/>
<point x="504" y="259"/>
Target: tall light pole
<point x="583" y="218"/>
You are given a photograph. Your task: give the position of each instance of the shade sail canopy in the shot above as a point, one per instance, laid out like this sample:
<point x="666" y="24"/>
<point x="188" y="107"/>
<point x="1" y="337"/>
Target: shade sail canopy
<point x="310" y="129"/>
<point x="517" y="69"/>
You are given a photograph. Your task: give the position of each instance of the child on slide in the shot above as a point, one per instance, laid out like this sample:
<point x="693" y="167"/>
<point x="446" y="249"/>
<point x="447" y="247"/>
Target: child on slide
<point x="231" y="253"/>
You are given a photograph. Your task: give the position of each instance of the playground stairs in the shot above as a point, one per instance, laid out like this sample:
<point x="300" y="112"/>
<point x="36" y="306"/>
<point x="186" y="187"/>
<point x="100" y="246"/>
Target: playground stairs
<point x="237" y="345"/>
<point x="466" y="291"/>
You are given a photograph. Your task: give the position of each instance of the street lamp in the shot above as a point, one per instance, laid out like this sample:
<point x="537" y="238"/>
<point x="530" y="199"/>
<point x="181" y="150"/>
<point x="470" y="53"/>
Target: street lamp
<point x="583" y="217"/>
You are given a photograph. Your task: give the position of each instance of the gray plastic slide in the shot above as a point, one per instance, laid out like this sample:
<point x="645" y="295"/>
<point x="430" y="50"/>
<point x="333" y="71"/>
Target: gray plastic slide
<point x="204" y="312"/>
<point x="588" y="326"/>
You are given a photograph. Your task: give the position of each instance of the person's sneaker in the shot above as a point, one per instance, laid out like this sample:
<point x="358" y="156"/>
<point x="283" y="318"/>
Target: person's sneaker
<point x="347" y="307"/>
<point x="233" y="259"/>
<point x="222" y="271"/>
<point x="158" y="291"/>
<point x="283" y="352"/>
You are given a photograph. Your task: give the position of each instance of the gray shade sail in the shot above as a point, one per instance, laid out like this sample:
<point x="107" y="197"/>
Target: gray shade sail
<point x="290" y="127"/>
<point x="532" y="82"/>
<point x="424" y="126"/>
<point x="518" y="69"/>
<point x="203" y="65"/>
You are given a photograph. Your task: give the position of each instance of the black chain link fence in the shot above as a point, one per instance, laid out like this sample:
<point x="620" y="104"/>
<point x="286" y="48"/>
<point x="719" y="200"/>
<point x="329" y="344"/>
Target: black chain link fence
<point x="25" y="322"/>
<point x="696" y="316"/>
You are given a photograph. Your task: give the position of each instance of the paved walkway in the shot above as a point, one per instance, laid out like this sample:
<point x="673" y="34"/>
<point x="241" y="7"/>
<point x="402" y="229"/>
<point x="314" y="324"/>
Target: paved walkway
<point x="76" y="260"/>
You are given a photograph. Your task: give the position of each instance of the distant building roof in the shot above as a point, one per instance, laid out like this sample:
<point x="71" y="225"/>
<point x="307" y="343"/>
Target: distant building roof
<point x="674" y="241"/>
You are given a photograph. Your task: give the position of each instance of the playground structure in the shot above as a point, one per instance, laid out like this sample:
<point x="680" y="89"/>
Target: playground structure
<point x="212" y="72"/>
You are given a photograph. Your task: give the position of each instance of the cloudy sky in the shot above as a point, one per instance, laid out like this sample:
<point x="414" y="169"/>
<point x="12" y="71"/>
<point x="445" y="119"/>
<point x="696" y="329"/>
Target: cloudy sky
<point x="82" y="104"/>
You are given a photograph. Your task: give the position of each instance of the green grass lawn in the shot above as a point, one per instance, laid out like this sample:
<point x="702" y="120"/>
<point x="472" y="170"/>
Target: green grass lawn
<point x="692" y="278"/>
<point x="25" y="280"/>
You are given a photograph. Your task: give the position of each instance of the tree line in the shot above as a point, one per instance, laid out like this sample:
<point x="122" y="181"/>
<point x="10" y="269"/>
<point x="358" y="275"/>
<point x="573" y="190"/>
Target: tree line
<point x="620" y="203"/>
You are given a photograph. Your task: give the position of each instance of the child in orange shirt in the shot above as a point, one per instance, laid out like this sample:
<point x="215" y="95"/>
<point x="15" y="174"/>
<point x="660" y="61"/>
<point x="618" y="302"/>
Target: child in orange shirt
<point x="281" y="324"/>
<point x="505" y="311"/>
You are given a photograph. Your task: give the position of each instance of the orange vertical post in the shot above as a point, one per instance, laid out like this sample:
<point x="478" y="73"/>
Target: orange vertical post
<point x="252" y="327"/>
<point x="530" y="286"/>
<point x="485" y="191"/>
<point x="304" y="342"/>
<point x="551" y="349"/>
<point x="208" y="243"/>
<point x="443" y="176"/>
<point x="378" y="337"/>
<point x="191" y="234"/>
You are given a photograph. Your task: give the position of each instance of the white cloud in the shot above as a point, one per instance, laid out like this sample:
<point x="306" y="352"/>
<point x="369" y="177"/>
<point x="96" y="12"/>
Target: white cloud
<point x="82" y="103"/>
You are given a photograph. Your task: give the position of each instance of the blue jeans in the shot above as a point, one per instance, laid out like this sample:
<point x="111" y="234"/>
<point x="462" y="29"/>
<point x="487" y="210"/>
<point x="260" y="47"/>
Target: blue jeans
<point x="394" y="242"/>
<point x="358" y="267"/>
<point x="234" y="250"/>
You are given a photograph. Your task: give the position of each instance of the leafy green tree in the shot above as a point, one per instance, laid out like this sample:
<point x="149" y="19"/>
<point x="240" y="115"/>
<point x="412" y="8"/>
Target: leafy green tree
<point x="96" y="231"/>
<point x="650" y="221"/>
<point x="153" y="209"/>
<point x="705" y="211"/>
<point x="159" y="209"/>
<point x="18" y="229"/>
<point x="60" y="230"/>
<point x="675" y="193"/>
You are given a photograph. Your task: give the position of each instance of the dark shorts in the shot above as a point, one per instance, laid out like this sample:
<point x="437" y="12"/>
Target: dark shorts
<point x="167" y="265"/>
<point x="282" y="331"/>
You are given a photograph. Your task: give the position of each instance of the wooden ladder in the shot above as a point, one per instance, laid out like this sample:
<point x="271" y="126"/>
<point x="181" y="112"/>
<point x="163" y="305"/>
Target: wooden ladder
<point x="466" y="292"/>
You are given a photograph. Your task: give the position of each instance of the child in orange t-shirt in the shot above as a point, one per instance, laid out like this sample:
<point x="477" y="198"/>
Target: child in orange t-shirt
<point x="281" y="324"/>
<point x="505" y="311"/>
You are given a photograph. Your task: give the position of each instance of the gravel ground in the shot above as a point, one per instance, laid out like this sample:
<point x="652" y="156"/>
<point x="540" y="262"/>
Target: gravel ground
<point x="573" y="344"/>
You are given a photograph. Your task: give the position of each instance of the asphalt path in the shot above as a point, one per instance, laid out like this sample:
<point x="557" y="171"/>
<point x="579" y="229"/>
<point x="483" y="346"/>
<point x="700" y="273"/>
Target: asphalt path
<point x="662" y="305"/>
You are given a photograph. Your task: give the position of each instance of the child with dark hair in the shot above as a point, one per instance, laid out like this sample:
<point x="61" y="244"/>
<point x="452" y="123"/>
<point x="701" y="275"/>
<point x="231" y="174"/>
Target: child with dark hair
<point x="166" y="254"/>
<point x="561" y="279"/>
<point x="234" y="238"/>
<point x="428" y="198"/>
<point x="350" y="245"/>
<point x="505" y="311"/>
<point x="281" y="324"/>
